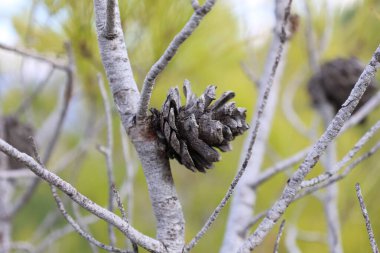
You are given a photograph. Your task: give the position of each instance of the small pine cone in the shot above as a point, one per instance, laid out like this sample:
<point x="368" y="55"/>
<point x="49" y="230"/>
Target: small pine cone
<point x="17" y="134"/>
<point x="192" y="131"/>
<point x="335" y="80"/>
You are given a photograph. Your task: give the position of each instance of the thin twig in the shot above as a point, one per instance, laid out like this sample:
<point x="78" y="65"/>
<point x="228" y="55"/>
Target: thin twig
<point x="287" y="163"/>
<point x="56" y="234"/>
<point x="279" y="234"/>
<point x="127" y="187"/>
<point x="26" y="103"/>
<point x="195" y="4"/>
<point x="141" y="239"/>
<point x="330" y="197"/>
<point x="16" y="174"/>
<point x="169" y="53"/>
<point x="291" y="239"/>
<point x="310" y="39"/>
<point x="359" y="144"/>
<point x="123" y="213"/>
<point x="29" y="191"/>
<point x="288" y="107"/>
<point x="67" y="217"/>
<point x="279" y="167"/>
<point x="108" y="152"/>
<point x="312" y="158"/>
<point x="119" y="203"/>
<point x="372" y="239"/>
<point x="258" y="117"/>
<point x="22" y="246"/>
<point x="250" y="74"/>
<point x="339" y="177"/>
<point x="23" y="52"/>
<point x="254" y="220"/>
<point x="364" y="111"/>
<point x="79" y="230"/>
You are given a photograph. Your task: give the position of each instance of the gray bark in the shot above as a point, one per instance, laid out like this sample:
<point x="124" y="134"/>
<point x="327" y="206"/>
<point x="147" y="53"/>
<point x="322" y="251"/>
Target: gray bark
<point x="166" y="206"/>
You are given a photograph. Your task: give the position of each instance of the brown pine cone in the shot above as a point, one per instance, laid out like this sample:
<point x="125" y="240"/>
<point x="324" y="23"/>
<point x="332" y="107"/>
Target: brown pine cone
<point x="17" y="134"/>
<point x="192" y="131"/>
<point x="335" y="80"/>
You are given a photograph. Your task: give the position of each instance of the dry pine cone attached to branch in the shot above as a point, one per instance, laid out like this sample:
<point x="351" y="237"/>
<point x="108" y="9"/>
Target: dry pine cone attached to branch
<point x="334" y="82"/>
<point x="17" y="134"/>
<point x="193" y="131"/>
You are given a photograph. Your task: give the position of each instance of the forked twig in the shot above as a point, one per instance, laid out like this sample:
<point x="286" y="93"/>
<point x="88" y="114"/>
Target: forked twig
<point x="169" y="53"/>
<point x="278" y="238"/>
<point x="366" y="218"/>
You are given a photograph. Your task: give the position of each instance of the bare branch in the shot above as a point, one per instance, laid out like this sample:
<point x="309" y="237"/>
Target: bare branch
<point x="339" y="177"/>
<point x="143" y="240"/>
<point x="56" y="234"/>
<point x="123" y="213"/>
<point x="26" y="103"/>
<point x="252" y="76"/>
<point x="68" y="218"/>
<point x="29" y="191"/>
<point x="66" y="101"/>
<point x="169" y="53"/>
<point x="165" y="202"/>
<point x="108" y="151"/>
<point x="259" y="115"/>
<point x="22" y="246"/>
<point x="242" y="205"/>
<point x="16" y="174"/>
<point x="362" y="141"/>
<point x="279" y="234"/>
<point x="195" y="4"/>
<point x="287" y="104"/>
<point x="311" y="41"/>
<point x="254" y="220"/>
<point x="78" y="229"/>
<point x="366" y="218"/>
<point x="117" y="66"/>
<point x="279" y="167"/>
<point x="365" y="110"/>
<point x="332" y="131"/>
<point x="330" y="197"/>
<point x="54" y="63"/>
<point x="291" y="239"/>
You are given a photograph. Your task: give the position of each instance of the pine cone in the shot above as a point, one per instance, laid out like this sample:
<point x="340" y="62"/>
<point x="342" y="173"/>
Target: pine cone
<point x="192" y="131"/>
<point x="17" y="134"/>
<point x="335" y="80"/>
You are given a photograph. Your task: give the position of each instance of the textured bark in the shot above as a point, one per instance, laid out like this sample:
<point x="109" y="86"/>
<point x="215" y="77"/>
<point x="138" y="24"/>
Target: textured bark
<point x="167" y="208"/>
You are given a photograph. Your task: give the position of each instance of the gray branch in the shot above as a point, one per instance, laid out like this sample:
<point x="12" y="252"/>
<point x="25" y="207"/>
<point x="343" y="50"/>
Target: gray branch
<point x="108" y="152"/>
<point x="169" y="53"/>
<point x="366" y="218"/>
<point x="143" y="240"/>
<point x="259" y="114"/>
<point x="152" y="154"/>
<point x="312" y="158"/>
<point x="278" y="238"/>
<point x="244" y="200"/>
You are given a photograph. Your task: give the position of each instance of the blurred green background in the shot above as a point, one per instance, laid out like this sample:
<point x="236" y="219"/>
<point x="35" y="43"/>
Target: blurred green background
<point x="212" y="55"/>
